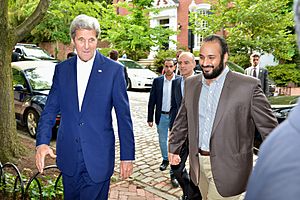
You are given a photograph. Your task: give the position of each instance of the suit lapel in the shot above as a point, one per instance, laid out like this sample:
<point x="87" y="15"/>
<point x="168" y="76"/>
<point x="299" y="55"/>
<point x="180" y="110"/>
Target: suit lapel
<point x="197" y="90"/>
<point x="178" y="89"/>
<point x="223" y="100"/>
<point x="161" y="88"/>
<point x="260" y="73"/>
<point x="92" y="82"/>
<point x="73" y="89"/>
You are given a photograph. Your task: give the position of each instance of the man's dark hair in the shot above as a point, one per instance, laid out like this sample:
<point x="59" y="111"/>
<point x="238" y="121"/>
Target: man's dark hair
<point x="71" y="54"/>
<point x="169" y="59"/>
<point x="221" y="41"/>
<point x="114" y="55"/>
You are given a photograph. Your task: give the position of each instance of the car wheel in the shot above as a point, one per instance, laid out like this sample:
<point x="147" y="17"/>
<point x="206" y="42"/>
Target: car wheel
<point x="32" y="118"/>
<point x="128" y="84"/>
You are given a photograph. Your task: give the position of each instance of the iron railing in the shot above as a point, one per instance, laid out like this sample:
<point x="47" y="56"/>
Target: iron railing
<point x="21" y="186"/>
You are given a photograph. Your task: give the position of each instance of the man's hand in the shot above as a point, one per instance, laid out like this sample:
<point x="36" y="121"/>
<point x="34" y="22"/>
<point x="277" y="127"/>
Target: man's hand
<point x="41" y="152"/>
<point x="126" y="168"/>
<point x="174" y="159"/>
<point x="150" y="124"/>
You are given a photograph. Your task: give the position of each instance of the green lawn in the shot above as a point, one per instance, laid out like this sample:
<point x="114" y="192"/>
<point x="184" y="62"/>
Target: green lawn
<point x="283" y="100"/>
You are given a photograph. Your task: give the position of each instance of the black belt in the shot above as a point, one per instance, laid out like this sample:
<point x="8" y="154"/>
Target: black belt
<point x="203" y="153"/>
<point x="164" y="112"/>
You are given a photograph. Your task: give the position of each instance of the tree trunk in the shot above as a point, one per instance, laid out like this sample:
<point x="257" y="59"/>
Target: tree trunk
<point x="8" y="134"/>
<point x="9" y="145"/>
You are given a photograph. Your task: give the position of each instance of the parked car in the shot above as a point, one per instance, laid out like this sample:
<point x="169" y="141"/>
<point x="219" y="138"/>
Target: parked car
<point x="138" y="76"/>
<point x="32" y="52"/>
<point x="31" y="83"/>
<point x="282" y="106"/>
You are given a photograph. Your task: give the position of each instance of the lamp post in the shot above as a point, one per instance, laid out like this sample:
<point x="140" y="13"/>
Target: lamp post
<point x="192" y="8"/>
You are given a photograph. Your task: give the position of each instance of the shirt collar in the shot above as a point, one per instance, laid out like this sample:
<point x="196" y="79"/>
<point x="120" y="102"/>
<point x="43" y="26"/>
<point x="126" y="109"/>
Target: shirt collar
<point x="89" y="62"/>
<point x="257" y="66"/>
<point x="165" y="79"/>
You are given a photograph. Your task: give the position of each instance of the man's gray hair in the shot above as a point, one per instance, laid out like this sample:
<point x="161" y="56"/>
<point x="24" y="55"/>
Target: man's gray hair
<point x="297" y="20"/>
<point x="84" y="22"/>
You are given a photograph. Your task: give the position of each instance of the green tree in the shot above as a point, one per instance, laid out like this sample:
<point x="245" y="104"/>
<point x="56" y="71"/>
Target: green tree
<point x="55" y="25"/>
<point x="10" y="36"/>
<point x="284" y="74"/>
<point x="251" y="25"/>
<point x="132" y="32"/>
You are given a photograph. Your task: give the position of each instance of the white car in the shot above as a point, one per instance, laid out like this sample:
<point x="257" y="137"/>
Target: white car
<point x="138" y="76"/>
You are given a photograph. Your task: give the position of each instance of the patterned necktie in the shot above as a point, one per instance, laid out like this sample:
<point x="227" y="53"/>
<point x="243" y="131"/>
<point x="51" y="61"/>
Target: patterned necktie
<point x="254" y="72"/>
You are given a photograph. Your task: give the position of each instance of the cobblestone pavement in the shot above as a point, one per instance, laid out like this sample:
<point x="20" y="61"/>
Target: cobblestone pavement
<point x="147" y="181"/>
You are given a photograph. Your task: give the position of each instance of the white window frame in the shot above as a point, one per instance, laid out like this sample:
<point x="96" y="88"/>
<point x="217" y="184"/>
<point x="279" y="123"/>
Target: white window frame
<point x="202" y="9"/>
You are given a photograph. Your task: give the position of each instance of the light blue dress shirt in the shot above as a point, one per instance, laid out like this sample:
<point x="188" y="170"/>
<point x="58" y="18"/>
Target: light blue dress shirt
<point x="208" y="103"/>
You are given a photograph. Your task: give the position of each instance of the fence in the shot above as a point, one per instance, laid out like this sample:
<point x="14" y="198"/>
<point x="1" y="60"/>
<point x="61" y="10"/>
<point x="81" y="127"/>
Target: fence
<point x="22" y="189"/>
<point x="288" y="91"/>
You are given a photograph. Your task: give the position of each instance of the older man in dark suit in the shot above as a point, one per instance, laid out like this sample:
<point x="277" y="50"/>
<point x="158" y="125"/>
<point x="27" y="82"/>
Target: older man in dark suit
<point x="186" y="63"/>
<point x="85" y="89"/>
<point x="219" y="112"/>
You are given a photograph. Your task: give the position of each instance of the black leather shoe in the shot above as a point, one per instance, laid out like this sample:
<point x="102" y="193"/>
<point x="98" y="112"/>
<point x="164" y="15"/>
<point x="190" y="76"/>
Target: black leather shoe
<point x="164" y="165"/>
<point x="183" y="197"/>
<point x="174" y="182"/>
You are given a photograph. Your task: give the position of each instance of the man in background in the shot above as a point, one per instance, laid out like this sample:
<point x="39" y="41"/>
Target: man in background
<point x="114" y="55"/>
<point x="71" y="54"/>
<point x="258" y="72"/>
<point x="160" y="101"/>
<point x="186" y="63"/>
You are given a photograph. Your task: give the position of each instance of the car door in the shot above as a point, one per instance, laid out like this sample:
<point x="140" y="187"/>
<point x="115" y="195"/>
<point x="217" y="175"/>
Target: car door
<point x="21" y="92"/>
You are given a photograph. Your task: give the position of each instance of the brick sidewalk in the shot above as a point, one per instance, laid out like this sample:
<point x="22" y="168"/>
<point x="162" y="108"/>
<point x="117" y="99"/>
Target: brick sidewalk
<point x="127" y="190"/>
<point x="146" y="173"/>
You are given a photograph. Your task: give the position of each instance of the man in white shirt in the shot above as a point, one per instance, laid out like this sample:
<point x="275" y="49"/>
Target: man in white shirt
<point x="258" y="72"/>
<point x="85" y="89"/>
<point x="160" y="101"/>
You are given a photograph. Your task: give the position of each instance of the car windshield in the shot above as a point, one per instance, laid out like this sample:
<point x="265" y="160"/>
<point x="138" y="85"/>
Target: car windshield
<point x="131" y="64"/>
<point x="40" y="78"/>
<point x="37" y="52"/>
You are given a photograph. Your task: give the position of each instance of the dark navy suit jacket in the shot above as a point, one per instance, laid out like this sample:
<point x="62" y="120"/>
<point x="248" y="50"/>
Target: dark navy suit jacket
<point x="176" y="98"/>
<point x="91" y="129"/>
<point x="155" y="99"/>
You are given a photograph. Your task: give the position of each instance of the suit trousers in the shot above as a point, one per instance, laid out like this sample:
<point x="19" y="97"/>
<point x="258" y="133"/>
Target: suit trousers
<point x="189" y="189"/>
<point x="81" y="187"/>
<point x="206" y="182"/>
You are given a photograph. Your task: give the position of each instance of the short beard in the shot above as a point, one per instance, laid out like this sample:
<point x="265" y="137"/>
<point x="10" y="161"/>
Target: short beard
<point x="215" y="73"/>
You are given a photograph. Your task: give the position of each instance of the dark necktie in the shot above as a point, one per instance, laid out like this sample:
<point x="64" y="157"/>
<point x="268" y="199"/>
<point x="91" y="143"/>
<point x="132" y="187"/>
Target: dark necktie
<point x="254" y="72"/>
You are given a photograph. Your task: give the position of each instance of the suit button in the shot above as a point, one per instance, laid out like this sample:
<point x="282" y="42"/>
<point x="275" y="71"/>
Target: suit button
<point x="81" y="124"/>
<point x="197" y="155"/>
<point x="76" y="140"/>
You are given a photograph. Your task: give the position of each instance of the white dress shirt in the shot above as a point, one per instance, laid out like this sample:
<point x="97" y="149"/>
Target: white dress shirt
<point x="83" y="74"/>
<point x="251" y="70"/>
<point x="167" y="90"/>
